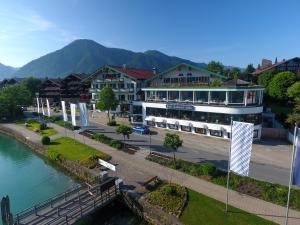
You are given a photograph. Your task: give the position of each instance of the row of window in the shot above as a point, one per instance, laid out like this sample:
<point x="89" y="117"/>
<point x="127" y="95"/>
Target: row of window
<point x="218" y="97"/>
<point x="216" y="133"/>
<point x="188" y="79"/>
<point x="218" y="118"/>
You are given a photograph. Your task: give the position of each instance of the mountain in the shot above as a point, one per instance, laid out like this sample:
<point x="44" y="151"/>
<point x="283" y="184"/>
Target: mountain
<point x="86" y="56"/>
<point x="6" y="71"/>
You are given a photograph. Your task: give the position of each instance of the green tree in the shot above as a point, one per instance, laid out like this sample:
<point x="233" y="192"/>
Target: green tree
<point x="234" y="73"/>
<point x="294" y="91"/>
<point x="33" y="85"/>
<point x="216" y="83"/>
<point x="265" y="78"/>
<point x="172" y="141"/>
<point x="216" y="67"/>
<point x="12" y="98"/>
<point x="295" y="116"/>
<point x="280" y="83"/>
<point x="249" y="69"/>
<point x="107" y="100"/>
<point x="125" y="131"/>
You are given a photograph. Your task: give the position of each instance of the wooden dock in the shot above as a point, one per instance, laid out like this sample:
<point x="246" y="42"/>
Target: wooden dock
<point x="70" y="206"/>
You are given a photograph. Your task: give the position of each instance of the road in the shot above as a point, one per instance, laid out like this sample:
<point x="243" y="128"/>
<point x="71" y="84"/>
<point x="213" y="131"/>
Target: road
<point x="270" y="161"/>
<point x="261" y="171"/>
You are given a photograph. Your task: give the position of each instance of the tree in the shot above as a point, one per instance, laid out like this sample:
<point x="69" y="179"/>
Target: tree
<point x="12" y="98"/>
<point x="216" y="67"/>
<point x="216" y="83"/>
<point x="280" y="83"/>
<point x="265" y="78"/>
<point x="249" y="69"/>
<point x="125" y="130"/>
<point x="295" y="116"/>
<point x="172" y="141"/>
<point x="294" y="91"/>
<point x="33" y="85"/>
<point x="107" y="100"/>
<point x="235" y="73"/>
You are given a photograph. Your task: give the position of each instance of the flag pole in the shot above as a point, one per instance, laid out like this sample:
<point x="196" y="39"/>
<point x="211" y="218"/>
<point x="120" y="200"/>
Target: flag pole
<point x="291" y="176"/>
<point x="228" y="168"/>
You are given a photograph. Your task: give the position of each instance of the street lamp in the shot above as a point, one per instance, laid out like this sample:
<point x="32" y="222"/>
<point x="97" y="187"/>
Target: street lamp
<point x="150" y="141"/>
<point x="37" y="103"/>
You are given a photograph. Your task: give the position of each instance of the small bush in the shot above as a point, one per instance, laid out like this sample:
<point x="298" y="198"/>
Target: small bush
<point x="46" y="140"/>
<point x="209" y="169"/>
<point x="115" y="144"/>
<point x="90" y="162"/>
<point x="43" y="126"/>
<point x="112" y="123"/>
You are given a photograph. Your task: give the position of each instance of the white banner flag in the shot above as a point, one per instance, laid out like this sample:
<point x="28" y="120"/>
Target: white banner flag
<point x="48" y="107"/>
<point x="63" y="107"/>
<point x="43" y="111"/>
<point x="73" y="114"/>
<point x="107" y="165"/>
<point x="241" y="146"/>
<point x="84" y="117"/>
<point x="38" y="105"/>
<point x="296" y="169"/>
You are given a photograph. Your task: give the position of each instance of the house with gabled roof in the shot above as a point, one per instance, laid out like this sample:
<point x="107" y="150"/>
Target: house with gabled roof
<point x="186" y="98"/>
<point x="125" y="82"/>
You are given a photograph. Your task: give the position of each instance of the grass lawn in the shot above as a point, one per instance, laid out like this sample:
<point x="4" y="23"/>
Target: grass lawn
<point x="204" y="210"/>
<point x="34" y="125"/>
<point x="74" y="150"/>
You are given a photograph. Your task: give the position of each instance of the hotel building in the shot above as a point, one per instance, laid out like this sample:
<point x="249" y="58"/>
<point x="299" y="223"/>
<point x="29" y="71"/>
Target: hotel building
<point x="189" y="99"/>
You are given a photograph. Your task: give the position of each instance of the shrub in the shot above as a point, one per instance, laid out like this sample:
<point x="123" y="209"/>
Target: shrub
<point x="209" y="169"/>
<point x="43" y="126"/>
<point x="169" y="196"/>
<point x="90" y="162"/>
<point x="46" y="140"/>
<point x="112" y="123"/>
<point x="115" y="144"/>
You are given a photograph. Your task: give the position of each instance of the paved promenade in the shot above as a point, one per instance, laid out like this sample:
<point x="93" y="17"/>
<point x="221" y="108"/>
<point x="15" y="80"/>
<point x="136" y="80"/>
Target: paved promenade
<point x="135" y="169"/>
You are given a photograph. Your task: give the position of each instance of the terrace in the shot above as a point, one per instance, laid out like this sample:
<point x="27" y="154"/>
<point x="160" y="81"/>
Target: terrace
<point x="220" y="96"/>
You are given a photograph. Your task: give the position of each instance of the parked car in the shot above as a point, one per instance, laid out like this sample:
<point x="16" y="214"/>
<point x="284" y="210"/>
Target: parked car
<point x="141" y="130"/>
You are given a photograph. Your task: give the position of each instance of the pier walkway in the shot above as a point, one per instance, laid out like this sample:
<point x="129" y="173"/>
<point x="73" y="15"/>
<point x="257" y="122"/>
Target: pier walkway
<point x="70" y="206"/>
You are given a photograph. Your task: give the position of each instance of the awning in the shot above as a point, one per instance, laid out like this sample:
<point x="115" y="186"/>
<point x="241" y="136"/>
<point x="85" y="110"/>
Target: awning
<point x="184" y="123"/>
<point x="159" y="120"/>
<point x="171" y="121"/>
<point x="200" y="125"/>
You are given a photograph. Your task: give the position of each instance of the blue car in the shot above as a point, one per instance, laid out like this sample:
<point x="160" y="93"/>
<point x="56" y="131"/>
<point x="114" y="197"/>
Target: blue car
<point x="141" y="130"/>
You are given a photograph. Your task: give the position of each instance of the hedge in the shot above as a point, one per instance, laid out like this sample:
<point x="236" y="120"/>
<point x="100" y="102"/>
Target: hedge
<point x="107" y="140"/>
<point x="270" y="192"/>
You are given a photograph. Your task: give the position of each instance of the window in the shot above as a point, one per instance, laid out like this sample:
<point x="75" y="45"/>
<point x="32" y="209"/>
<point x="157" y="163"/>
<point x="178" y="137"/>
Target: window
<point x="137" y="109"/>
<point x="137" y="119"/>
<point x="161" y="95"/>
<point x="216" y="133"/>
<point x="235" y="97"/>
<point x="186" y="115"/>
<point x="201" y="96"/>
<point x="200" y="116"/>
<point x="172" y="126"/>
<point x="173" y="95"/>
<point x="186" y="128"/>
<point x="255" y="134"/>
<point x="200" y="130"/>
<point x="187" y="96"/>
<point x="217" y="97"/>
<point x="162" y="125"/>
<point x="150" y="123"/>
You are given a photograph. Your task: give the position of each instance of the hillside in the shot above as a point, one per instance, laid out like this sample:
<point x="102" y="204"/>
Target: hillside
<point x="6" y="71"/>
<point x="87" y="55"/>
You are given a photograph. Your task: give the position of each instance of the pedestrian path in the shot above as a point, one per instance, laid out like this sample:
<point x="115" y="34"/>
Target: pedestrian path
<point x="135" y="169"/>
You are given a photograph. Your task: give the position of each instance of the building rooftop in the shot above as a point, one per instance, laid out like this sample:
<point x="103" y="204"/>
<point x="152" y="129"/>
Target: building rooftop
<point x="259" y="71"/>
<point x="133" y="72"/>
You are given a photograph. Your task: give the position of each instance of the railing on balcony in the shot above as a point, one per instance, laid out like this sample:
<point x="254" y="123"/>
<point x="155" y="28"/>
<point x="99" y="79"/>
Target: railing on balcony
<point x="181" y="84"/>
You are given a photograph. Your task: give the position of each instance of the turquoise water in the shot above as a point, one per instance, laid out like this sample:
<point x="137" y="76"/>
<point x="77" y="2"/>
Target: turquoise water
<point x="26" y="178"/>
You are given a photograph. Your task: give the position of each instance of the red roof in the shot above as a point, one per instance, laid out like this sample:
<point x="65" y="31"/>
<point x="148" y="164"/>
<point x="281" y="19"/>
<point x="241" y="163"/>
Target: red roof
<point x="137" y="73"/>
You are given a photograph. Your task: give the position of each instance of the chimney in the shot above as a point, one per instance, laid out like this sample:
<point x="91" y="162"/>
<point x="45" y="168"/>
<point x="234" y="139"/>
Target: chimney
<point x="124" y="66"/>
<point x="266" y="63"/>
<point x="154" y="70"/>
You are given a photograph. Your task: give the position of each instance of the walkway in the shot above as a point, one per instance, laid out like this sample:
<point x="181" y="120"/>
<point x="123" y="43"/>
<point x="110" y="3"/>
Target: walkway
<point x="135" y="169"/>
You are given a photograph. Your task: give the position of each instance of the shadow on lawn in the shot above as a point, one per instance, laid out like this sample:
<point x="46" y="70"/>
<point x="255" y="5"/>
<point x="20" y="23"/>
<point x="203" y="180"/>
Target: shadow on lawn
<point x="54" y="143"/>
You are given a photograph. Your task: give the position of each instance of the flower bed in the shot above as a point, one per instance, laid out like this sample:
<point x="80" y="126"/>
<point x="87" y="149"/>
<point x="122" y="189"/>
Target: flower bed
<point x="274" y="193"/>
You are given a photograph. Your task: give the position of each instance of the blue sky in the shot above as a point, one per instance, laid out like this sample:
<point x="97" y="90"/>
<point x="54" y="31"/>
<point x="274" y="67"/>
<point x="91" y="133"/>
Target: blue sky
<point x="235" y="32"/>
